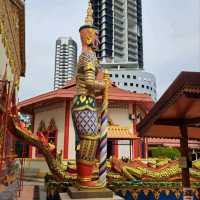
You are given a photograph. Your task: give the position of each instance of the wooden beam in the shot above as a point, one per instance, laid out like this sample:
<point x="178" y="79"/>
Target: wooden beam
<point x="192" y="121"/>
<point x="184" y="153"/>
<point x="178" y="122"/>
<point x="168" y="122"/>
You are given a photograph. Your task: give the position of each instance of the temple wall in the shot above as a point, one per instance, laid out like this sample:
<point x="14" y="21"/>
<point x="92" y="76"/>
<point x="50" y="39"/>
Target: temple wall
<point x="124" y="149"/>
<point x="71" y="145"/>
<point x="3" y="61"/>
<point x="3" y="58"/>
<point x="46" y="113"/>
<point x="120" y="115"/>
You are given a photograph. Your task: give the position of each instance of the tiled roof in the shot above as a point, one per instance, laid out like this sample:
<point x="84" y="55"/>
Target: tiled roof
<point x="68" y="92"/>
<point x="120" y="132"/>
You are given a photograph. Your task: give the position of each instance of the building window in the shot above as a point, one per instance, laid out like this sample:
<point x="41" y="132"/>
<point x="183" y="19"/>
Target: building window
<point x="128" y="76"/>
<point x="151" y="88"/>
<point x="116" y="75"/>
<point x="110" y="75"/>
<point x="122" y="75"/>
<point x="125" y="84"/>
<point x="131" y="84"/>
<point x="142" y="86"/>
<point x="137" y="85"/>
<point x="147" y="87"/>
<point x="47" y="136"/>
<point x="134" y="77"/>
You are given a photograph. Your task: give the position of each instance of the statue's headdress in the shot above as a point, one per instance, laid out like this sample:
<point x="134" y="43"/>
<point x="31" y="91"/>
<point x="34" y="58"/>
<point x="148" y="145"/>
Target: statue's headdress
<point x="89" y="18"/>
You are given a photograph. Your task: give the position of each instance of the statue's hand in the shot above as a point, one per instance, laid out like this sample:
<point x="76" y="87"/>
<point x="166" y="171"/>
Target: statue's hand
<point x="107" y="84"/>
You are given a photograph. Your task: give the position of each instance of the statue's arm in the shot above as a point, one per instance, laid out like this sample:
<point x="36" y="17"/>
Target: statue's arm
<point x="90" y="78"/>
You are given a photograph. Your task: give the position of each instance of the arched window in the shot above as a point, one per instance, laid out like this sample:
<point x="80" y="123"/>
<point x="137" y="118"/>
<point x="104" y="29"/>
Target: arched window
<point x="42" y="135"/>
<point x="47" y="135"/>
<point x="52" y="132"/>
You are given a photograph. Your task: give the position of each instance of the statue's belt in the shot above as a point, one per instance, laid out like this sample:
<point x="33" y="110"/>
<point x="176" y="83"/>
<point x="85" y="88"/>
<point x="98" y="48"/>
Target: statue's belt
<point x="81" y="102"/>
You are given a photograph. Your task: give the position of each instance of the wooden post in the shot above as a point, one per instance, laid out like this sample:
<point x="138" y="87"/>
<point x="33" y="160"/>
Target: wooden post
<point x="184" y="153"/>
<point x="185" y="170"/>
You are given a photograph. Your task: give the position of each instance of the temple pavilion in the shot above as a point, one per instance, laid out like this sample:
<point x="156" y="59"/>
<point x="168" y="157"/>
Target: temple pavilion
<point x="51" y="115"/>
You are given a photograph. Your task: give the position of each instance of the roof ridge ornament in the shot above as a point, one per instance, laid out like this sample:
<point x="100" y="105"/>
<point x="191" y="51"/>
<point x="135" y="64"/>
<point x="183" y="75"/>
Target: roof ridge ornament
<point x="89" y="17"/>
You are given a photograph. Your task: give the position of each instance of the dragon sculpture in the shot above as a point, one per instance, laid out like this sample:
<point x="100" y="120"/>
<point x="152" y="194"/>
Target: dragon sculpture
<point x="52" y="158"/>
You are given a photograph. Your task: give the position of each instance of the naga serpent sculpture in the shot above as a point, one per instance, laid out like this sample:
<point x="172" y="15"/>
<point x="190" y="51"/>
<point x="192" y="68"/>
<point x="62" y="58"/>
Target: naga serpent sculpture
<point x="53" y="160"/>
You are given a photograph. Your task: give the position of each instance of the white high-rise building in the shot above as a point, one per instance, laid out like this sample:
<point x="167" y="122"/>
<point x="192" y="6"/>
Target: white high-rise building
<point x="65" y="61"/>
<point x="120" y="31"/>
<point x="121" y="44"/>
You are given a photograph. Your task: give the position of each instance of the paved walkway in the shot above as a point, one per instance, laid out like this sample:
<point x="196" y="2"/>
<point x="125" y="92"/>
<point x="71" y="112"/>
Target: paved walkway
<point x="27" y="193"/>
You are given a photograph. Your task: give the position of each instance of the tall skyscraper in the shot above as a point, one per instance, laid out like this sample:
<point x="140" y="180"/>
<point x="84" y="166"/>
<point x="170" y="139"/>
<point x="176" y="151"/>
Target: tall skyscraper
<point x="65" y="61"/>
<point x="120" y="31"/>
<point x="121" y="44"/>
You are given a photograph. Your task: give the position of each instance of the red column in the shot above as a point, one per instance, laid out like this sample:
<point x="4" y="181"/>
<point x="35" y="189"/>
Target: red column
<point x="146" y="148"/>
<point x="136" y="150"/>
<point x="33" y="125"/>
<point x="66" y="134"/>
<point x="116" y="150"/>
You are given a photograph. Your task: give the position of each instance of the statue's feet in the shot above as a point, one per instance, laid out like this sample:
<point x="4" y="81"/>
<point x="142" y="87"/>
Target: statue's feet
<point x="87" y="185"/>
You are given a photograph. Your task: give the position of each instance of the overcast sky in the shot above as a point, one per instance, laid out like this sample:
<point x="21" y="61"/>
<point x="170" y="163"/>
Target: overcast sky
<point x="171" y="31"/>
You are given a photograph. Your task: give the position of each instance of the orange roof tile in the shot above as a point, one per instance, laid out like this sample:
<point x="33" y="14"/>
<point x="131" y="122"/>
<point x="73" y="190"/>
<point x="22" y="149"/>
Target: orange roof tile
<point x="120" y="132"/>
<point x="68" y="92"/>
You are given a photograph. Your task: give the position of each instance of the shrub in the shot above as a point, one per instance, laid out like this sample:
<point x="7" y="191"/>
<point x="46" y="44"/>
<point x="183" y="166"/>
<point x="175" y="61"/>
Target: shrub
<point x="165" y="152"/>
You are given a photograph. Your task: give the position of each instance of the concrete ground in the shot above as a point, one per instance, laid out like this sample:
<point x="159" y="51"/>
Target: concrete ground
<point x="27" y="193"/>
<point x="28" y="190"/>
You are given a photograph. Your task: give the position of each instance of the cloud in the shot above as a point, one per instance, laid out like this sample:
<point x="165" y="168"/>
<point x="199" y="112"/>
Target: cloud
<point x="171" y="39"/>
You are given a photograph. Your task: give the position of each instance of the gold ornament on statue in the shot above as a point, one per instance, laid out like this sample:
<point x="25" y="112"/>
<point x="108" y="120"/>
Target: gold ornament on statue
<point x="89" y="17"/>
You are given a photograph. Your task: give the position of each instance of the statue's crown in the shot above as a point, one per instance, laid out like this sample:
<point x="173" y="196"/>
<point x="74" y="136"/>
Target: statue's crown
<point x="89" y="17"/>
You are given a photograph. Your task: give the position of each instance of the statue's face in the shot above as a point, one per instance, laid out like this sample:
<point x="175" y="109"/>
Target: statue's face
<point x="95" y="40"/>
<point x="89" y="37"/>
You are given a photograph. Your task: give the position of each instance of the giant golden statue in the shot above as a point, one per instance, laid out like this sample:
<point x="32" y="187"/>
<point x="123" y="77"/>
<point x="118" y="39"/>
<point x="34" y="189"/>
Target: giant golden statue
<point x="91" y="143"/>
<point x="84" y="111"/>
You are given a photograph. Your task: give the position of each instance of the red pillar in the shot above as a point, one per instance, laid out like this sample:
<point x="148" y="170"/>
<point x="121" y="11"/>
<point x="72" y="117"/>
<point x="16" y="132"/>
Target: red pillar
<point x="116" y="150"/>
<point x="66" y="133"/>
<point x="136" y="148"/>
<point x="33" y="125"/>
<point x="146" y="148"/>
<point x="136" y="142"/>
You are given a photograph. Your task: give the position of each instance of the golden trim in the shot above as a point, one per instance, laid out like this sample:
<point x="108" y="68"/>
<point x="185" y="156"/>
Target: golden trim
<point x="89" y="137"/>
<point x="84" y="179"/>
<point x="84" y="107"/>
<point x="13" y="37"/>
<point x="86" y="162"/>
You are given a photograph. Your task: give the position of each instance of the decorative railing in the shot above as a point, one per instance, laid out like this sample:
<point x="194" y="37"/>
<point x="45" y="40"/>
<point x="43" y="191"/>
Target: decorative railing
<point x="153" y="190"/>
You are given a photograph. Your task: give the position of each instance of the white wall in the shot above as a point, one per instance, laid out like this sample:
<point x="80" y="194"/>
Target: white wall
<point x="71" y="147"/>
<point x="120" y="116"/>
<point x="46" y="113"/>
<point x="3" y="61"/>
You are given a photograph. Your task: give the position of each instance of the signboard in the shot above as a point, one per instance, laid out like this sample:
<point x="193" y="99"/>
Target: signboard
<point x="183" y="162"/>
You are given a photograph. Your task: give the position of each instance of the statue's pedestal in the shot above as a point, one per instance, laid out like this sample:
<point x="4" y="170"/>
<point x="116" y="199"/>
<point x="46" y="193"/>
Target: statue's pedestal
<point x="74" y="193"/>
